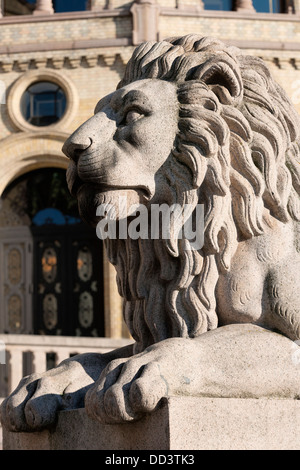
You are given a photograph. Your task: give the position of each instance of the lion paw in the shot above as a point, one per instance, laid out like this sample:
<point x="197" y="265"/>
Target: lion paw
<point x="35" y="403"/>
<point x="126" y="391"/>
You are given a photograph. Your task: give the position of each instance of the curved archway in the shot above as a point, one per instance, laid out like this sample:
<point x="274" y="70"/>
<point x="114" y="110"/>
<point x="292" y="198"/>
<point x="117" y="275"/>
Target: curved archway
<point x="24" y="152"/>
<point x="53" y="273"/>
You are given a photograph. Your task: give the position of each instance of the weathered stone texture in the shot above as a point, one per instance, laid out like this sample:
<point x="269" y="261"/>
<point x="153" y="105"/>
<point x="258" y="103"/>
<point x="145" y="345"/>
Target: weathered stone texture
<point x="182" y="424"/>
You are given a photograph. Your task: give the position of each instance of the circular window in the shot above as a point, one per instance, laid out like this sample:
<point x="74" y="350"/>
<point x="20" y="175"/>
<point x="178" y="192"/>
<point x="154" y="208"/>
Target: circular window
<point x="43" y="104"/>
<point x="43" y="98"/>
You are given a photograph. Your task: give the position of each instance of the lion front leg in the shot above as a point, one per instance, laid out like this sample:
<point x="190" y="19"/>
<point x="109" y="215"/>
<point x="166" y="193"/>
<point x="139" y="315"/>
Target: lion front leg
<point x="238" y="361"/>
<point x="127" y="389"/>
<point x="37" y="400"/>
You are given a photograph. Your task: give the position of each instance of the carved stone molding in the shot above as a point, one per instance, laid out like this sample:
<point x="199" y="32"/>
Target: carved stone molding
<point x="296" y="63"/>
<point x="94" y="60"/>
<point x="60" y="62"/>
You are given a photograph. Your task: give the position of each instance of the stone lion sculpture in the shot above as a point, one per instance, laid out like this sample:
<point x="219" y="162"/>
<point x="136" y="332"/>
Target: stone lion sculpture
<point x="192" y="122"/>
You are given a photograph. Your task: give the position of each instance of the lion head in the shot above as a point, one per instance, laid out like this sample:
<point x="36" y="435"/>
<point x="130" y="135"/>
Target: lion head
<point x="193" y="121"/>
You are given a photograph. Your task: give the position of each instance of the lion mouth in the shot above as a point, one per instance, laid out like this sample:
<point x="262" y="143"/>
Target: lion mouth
<point x="75" y="184"/>
<point x="73" y="181"/>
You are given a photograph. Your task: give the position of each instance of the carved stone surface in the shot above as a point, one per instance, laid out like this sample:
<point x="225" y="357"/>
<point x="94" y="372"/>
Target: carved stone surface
<point x="180" y="423"/>
<point x="193" y="122"/>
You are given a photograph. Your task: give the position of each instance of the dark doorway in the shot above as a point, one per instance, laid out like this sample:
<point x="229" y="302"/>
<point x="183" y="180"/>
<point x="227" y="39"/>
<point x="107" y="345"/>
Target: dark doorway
<point x="67" y="281"/>
<point x="65" y="262"/>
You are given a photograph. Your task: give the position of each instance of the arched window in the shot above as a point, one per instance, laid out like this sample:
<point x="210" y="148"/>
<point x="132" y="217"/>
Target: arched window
<point x="223" y="5"/>
<point x="51" y="262"/>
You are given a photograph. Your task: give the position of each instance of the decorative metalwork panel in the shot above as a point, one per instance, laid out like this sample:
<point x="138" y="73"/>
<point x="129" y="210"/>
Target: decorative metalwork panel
<point x="86" y="309"/>
<point x="87" y="300"/>
<point x="14" y="266"/>
<point x="15" y="313"/>
<point x="15" y="280"/>
<point x="67" y="300"/>
<point x="50" y="311"/>
<point x="49" y="264"/>
<point x="84" y="264"/>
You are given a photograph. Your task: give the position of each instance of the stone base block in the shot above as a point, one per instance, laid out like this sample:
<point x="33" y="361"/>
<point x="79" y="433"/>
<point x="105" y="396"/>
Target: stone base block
<point x="181" y="423"/>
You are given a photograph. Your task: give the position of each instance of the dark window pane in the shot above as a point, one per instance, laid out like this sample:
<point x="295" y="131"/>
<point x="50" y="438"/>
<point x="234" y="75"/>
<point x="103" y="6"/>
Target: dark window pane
<point x="225" y="5"/>
<point x="61" y="6"/>
<point x="69" y="5"/>
<point x="43" y="103"/>
<point x="267" y="6"/>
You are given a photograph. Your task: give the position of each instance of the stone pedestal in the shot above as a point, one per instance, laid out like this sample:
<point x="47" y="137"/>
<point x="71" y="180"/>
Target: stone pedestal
<point x="181" y="423"/>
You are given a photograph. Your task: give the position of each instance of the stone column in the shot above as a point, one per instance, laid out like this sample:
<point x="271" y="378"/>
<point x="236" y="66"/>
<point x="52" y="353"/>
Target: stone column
<point x="145" y="21"/>
<point x="1" y="8"/>
<point x="296" y="7"/>
<point x="97" y="5"/>
<point x="44" y="7"/>
<point x="244" y="6"/>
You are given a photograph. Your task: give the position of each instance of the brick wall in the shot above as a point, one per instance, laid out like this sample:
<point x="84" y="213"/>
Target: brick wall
<point x="232" y="26"/>
<point x="65" y="30"/>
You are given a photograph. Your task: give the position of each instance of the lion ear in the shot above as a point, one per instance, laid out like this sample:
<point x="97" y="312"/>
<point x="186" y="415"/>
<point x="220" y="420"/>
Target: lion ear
<point x="223" y="76"/>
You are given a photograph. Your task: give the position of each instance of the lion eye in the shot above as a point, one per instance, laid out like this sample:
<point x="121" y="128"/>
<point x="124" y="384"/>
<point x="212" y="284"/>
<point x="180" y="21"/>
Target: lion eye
<point x="132" y="116"/>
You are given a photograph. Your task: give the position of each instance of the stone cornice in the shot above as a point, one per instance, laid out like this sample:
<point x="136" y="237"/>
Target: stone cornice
<point x="76" y="15"/>
<point x="64" y="45"/>
<point x="72" y="49"/>
<point x="164" y="11"/>
<point x="65" y="59"/>
<point x="264" y="45"/>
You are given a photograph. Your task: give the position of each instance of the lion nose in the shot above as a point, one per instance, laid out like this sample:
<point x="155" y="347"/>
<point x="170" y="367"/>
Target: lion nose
<point x="75" y="145"/>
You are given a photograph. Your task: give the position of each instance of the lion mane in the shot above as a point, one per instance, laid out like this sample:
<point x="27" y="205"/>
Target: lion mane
<point x="237" y="153"/>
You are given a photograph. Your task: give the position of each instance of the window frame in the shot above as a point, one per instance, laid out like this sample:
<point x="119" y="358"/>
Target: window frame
<point x="34" y="101"/>
<point x="24" y="82"/>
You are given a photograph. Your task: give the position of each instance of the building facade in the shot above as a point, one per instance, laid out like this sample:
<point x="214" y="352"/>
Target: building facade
<point x="57" y="59"/>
